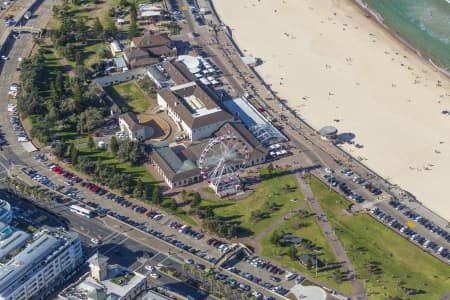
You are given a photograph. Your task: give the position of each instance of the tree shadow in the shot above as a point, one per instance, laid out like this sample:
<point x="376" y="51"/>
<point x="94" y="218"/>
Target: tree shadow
<point x="244" y="232"/>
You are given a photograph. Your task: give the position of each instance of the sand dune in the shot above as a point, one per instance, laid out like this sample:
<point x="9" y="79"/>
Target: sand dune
<point x="338" y="67"/>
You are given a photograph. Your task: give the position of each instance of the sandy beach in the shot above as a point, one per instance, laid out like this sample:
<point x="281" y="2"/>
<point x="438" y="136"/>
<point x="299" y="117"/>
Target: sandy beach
<point x="338" y="67"/>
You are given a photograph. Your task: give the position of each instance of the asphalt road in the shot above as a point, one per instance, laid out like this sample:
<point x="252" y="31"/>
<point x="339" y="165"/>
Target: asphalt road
<point x="114" y="242"/>
<point x="314" y="151"/>
<point x="118" y="247"/>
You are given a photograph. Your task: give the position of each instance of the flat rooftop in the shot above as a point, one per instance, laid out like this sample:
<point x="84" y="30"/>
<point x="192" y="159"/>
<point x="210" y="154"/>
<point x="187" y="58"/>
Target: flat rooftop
<point x="113" y="291"/>
<point x="194" y="104"/>
<point x="258" y="125"/>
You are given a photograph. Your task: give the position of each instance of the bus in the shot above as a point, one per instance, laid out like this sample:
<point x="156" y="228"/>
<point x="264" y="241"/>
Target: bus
<point x="81" y="211"/>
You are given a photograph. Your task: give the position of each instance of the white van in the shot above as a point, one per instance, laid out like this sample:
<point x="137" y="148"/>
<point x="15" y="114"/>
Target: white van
<point x="290" y="276"/>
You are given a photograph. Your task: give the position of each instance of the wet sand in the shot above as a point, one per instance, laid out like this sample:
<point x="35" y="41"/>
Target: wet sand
<point x="336" y="66"/>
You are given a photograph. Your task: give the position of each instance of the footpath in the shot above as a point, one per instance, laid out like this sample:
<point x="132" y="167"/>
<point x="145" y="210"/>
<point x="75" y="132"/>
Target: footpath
<point x="341" y="254"/>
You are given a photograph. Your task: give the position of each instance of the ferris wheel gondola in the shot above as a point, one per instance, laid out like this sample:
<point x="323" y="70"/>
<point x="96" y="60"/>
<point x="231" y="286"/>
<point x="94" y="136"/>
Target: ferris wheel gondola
<point x="221" y="161"/>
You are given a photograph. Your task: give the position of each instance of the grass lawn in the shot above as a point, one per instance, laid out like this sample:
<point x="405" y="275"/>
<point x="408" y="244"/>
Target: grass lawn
<point x="122" y="279"/>
<point x="129" y="95"/>
<point x="180" y="213"/>
<point x="138" y="172"/>
<point x="270" y="189"/>
<point x="384" y="260"/>
<point x="90" y="52"/>
<point x="307" y="228"/>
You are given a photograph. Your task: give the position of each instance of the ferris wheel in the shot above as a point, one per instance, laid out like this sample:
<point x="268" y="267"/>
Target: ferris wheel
<point x="221" y="161"/>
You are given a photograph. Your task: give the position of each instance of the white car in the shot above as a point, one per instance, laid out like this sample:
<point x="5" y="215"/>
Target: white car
<point x="189" y="261"/>
<point x="22" y="139"/>
<point x="4" y="57"/>
<point x="150" y="268"/>
<point x="329" y="171"/>
<point x="95" y="241"/>
<point x="155" y="275"/>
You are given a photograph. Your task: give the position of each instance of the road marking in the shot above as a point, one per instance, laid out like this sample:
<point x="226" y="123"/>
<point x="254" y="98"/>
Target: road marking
<point x="114" y="247"/>
<point x="154" y="256"/>
<point x="111" y="236"/>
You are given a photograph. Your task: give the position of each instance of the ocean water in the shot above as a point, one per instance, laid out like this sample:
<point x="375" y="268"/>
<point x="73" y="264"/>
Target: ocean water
<point x="424" y="24"/>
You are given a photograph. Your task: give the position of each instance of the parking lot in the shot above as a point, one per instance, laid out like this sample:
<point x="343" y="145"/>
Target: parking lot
<point x="146" y="219"/>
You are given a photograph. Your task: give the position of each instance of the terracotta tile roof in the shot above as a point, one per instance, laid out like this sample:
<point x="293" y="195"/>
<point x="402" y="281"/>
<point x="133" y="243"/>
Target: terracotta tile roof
<point x="163" y="51"/>
<point x="135" y="53"/>
<point x="175" y="100"/>
<point x="131" y="120"/>
<point x="152" y="40"/>
<point x="178" y="72"/>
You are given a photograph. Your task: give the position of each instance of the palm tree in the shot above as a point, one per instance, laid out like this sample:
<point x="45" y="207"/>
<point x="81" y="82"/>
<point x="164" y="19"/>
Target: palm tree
<point x="185" y="268"/>
<point x="7" y="181"/>
<point x="48" y="197"/>
<point x="193" y="269"/>
<point x="34" y="193"/>
<point x="244" y="295"/>
<point x="24" y="189"/>
<point x="14" y="184"/>
<point x="227" y="290"/>
<point x="211" y="281"/>
<point x="220" y="286"/>
<point x="202" y="275"/>
<point x="41" y="195"/>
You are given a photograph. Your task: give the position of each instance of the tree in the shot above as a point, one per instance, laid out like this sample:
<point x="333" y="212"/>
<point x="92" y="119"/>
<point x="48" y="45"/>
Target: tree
<point x="276" y="237"/>
<point x="270" y="168"/>
<point x="89" y="119"/>
<point x="156" y="197"/>
<point x="138" y="189"/>
<point x="7" y="181"/>
<point x="173" y="206"/>
<point x="147" y="193"/>
<point x="60" y="150"/>
<point x="196" y="200"/>
<point x="90" y="142"/>
<point x="137" y="154"/>
<point x="309" y="263"/>
<point x="110" y="28"/>
<point x="133" y="30"/>
<point x="123" y="3"/>
<point x="78" y="58"/>
<point x="97" y="28"/>
<point x="81" y="72"/>
<point x="74" y="154"/>
<point x="292" y="252"/>
<point x="113" y="145"/>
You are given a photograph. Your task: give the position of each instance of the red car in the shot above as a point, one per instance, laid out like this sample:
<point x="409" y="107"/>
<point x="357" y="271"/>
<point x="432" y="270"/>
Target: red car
<point x="260" y="109"/>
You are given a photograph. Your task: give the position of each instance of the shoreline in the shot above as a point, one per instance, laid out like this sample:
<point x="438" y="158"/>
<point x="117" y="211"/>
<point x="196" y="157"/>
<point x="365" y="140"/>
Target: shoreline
<point x="406" y="47"/>
<point x="379" y="19"/>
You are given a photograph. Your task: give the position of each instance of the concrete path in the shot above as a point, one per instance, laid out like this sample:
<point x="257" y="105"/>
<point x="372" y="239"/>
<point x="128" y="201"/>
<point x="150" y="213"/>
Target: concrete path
<point x="341" y="254"/>
<point x="446" y="296"/>
<point x="279" y="222"/>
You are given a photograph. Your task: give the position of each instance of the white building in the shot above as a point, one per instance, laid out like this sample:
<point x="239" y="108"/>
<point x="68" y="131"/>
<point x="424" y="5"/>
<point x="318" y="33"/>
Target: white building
<point x="44" y="263"/>
<point x="6" y="212"/>
<point x="130" y="124"/>
<point x="105" y="282"/>
<point x="147" y="10"/>
<point x="116" y="48"/>
<point x="194" y="109"/>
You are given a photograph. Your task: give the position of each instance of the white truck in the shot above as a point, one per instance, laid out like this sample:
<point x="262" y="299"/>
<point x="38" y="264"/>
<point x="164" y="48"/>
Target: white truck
<point x="27" y="15"/>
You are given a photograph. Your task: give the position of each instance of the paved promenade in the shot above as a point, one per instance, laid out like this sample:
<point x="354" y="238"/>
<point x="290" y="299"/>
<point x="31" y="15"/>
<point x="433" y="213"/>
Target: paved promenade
<point x="341" y="254"/>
